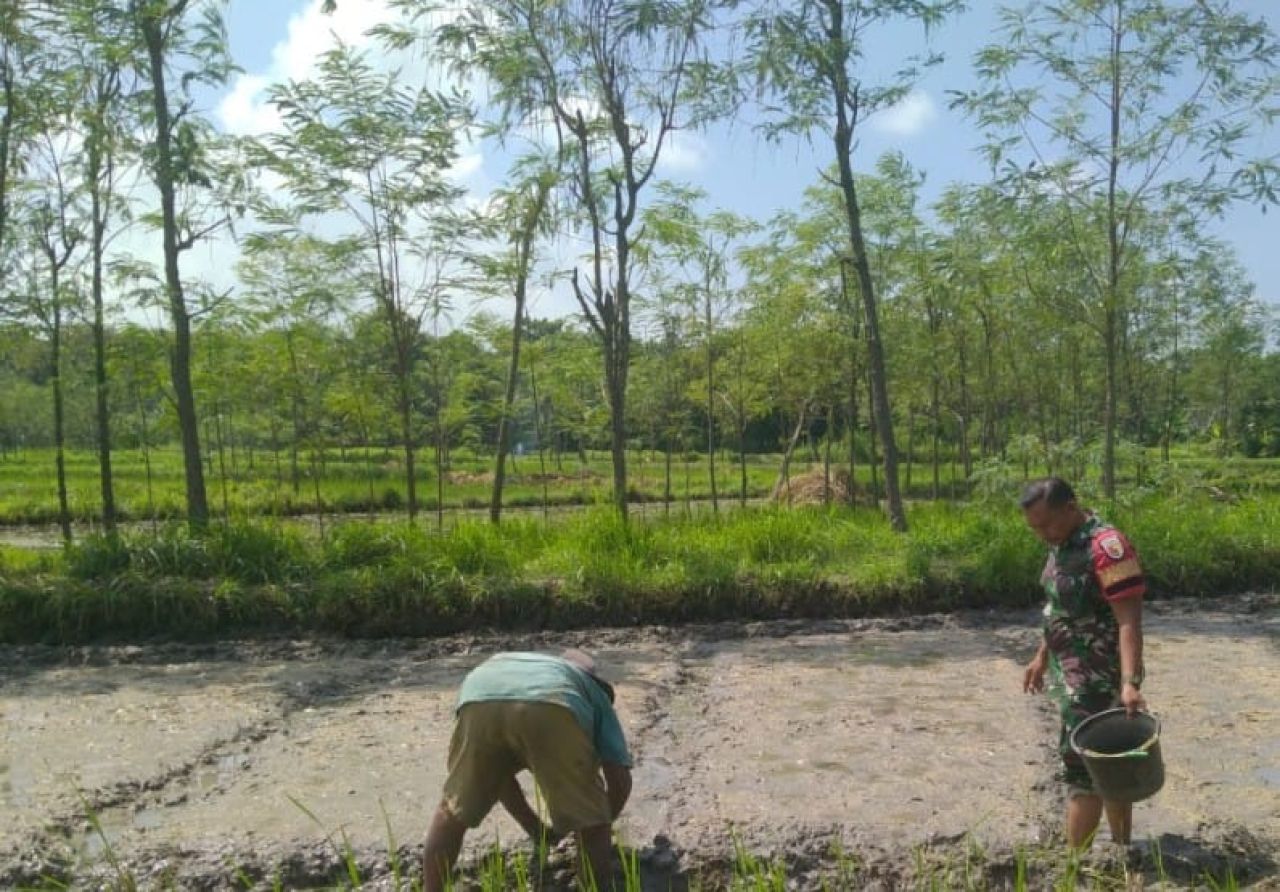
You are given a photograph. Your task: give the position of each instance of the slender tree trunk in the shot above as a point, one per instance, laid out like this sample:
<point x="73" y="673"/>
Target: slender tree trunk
<point x="504" y="422"/>
<point x="666" y="477"/>
<point x="911" y="444"/>
<point x="853" y="430"/>
<point x="826" y="454"/>
<point x="1173" y="384"/>
<point x="1109" y="409"/>
<point x="611" y="318"/>
<point x="222" y="460"/>
<point x="55" y="346"/>
<point x="295" y="412"/>
<point x="404" y="404"/>
<point x="953" y="475"/>
<point x="1112" y="298"/>
<point x="99" y="162"/>
<point x="317" y="472"/>
<point x="989" y="397"/>
<point x="935" y="410"/>
<point x="875" y="352"/>
<point x="616" y="385"/>
<point x="688" y="474"/>
<point x="524" y="250"/>
<point x="784" y="473"/>
<point x="146" y="457"/>
<point x="1225" y="391"/>
<point x="538" y="429"/>
<point x="57" y="245"/>
<point x="742" y="457"/>
<point x="440" y="471"/>
<point x="275" y="452"/>
<point x="208" y="454"/>
<point x="872" y="460"/>
<point x="9" y="88"/>
<point x="740" y="416"/>
<point x="709" y="321"/>
<point x="231" y="441"/>
<point x="367" y="448"/>
<point x="152" y="27"/>
<point x="441" y="447"/>
<point x="966" y="457"/>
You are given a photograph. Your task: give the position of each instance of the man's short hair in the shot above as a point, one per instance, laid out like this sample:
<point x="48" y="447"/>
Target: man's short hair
<point x="587" y="664"/>
<point x="1053" y="491"/>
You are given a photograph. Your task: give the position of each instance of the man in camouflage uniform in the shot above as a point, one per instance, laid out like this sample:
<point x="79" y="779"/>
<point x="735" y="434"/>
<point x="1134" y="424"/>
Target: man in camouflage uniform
<point x="1092" y="645"/>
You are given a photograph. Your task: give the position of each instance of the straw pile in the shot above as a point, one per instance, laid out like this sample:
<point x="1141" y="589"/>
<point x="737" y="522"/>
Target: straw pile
<point x="813" y="488"/>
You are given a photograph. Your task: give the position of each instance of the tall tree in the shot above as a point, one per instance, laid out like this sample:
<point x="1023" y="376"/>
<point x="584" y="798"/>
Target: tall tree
<point x="1105" y="102"/>
<point x="100" y="47"/>
<point x="613" y="80"/>
<point x="295" y="285"/>
<point x="55" y="209"/>
<point x="808" y="54"/>
<point x="701" y="247"/>
<point x="522" y="211"/>
<point x="189" y="39"/>
<point x="18" y="52"/>
<point x="361" y="144"/>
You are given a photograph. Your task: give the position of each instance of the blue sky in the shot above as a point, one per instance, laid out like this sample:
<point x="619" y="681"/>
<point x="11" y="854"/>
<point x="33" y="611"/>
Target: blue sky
<point x="271" y="39"/>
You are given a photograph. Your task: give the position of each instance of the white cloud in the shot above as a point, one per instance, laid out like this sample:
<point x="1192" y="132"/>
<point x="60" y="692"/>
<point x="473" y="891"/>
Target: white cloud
<point x="245" y="110"/>
<point x="910" y="116"/>
<point x="309" y="35"/>
<point x="467" y="165"/>
<point x="684" y="153"/>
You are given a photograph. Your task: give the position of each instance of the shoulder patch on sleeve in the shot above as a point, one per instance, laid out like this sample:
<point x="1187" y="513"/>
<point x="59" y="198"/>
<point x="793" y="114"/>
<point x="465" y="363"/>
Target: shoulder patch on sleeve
<point x="1112" y="545"/>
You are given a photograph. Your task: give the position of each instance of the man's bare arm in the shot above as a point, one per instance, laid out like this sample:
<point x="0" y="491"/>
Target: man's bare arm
<point x="1128" y="613"/>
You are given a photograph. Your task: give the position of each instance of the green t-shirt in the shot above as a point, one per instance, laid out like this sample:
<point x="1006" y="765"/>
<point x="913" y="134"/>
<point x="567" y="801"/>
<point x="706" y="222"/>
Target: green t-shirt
<point x="542" y="678"/>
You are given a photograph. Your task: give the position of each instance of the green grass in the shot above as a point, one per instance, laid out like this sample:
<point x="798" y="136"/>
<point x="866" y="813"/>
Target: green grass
<point x="350" y="481"/>
<point x="358" y="480"/>
<point x="389" y="578"/>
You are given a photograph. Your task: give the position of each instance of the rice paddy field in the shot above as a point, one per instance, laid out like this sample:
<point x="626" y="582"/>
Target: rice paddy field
<point x="814" y="701"/>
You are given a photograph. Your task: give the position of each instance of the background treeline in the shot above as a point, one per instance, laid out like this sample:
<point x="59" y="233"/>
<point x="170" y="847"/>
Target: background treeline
<point x="1052" y="318"/>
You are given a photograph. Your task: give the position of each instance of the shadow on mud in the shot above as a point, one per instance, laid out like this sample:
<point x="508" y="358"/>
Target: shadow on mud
<point x="1233" y="852"/>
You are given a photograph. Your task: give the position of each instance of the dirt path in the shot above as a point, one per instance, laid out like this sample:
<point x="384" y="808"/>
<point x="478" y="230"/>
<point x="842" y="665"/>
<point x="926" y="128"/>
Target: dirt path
<point x="889" y="738"/>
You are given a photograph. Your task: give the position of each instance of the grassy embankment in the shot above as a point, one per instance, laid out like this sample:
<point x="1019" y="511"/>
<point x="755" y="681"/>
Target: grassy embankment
<point x="386" y="578"/>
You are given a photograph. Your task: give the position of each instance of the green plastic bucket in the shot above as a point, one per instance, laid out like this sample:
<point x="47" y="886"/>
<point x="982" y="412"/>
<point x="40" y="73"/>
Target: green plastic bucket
<point x="1122" y="753"/>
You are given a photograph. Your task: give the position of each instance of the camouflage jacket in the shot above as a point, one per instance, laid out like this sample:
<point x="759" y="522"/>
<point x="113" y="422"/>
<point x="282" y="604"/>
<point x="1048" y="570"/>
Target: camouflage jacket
<point x="1081" y="578"/>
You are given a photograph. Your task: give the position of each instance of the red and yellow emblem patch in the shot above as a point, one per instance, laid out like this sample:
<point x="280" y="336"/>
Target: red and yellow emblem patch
<point x="1112" y="545"/>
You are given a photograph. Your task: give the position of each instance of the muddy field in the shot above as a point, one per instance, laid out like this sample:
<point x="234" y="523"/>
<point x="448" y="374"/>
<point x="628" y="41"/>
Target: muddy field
<point x="899" y="741"/>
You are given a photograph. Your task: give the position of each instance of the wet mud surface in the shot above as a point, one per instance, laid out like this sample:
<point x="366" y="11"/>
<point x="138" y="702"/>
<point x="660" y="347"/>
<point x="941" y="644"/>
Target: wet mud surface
<point x="899" y="742"/>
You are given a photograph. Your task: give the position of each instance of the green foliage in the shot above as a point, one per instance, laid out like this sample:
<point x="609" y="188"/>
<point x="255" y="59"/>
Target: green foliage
<point x="389" y="578"/>
<point x="97" y="557"/>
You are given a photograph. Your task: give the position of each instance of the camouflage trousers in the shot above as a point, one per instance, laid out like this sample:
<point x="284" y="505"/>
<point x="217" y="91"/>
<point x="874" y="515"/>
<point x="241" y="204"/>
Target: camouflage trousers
<point x="1074" y="708"/>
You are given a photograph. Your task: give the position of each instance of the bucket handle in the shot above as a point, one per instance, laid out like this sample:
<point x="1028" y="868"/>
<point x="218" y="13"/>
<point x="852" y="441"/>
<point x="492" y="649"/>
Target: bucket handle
<point x="1131" y="754"/>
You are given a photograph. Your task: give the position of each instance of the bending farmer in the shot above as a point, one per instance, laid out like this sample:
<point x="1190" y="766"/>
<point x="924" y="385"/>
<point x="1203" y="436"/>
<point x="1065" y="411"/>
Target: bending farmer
<point x="553" y="716"/>
<point x="1092" y="646"/>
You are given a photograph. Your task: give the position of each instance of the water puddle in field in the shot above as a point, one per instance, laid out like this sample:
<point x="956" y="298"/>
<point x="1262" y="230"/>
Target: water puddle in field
<point x="879" y="736"/>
